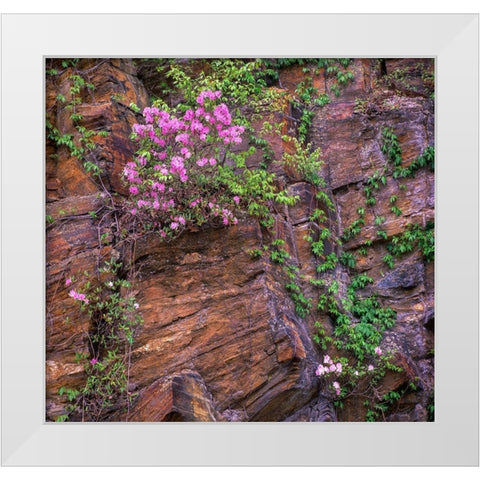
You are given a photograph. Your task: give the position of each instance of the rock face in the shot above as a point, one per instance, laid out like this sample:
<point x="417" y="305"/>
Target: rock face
<point x="221" y="340"/>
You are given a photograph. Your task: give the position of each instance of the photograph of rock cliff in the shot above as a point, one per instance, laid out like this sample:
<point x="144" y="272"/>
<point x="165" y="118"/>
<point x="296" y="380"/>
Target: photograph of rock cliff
<point x="239" y="240"/>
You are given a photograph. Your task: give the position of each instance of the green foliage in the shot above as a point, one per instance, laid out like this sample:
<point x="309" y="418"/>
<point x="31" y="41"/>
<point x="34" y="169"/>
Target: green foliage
<point x="302" y="304"/>
<point x="431" y="407"/>
<point x="348" y="259"/>
<point x="379" y="408"/>
<point x="114" y="318"/>
<point x="396" y="210"/>
<point x="304" y="124"/>
<point x="255" y="253"/>
<point x="82" y="143"/>
<point x="134" y="107"/>
<point x="320" y="337"/>
<point x="360" y="281"/>
<point x="414" y="236"/>
<point x="353" y="229"/>
<point x="360" y="106"/>
<point x="361" y="337"/>
<point x="323" y="197"/>
<point x="241" y="82"/>
<point x="391" y="148"/>
<point x="257" y="186"/>
<point x="388" y="260"/>
<point x="329" y="264"/>
<point x="322" y="100"/>
<point x="307" y="95"/>
<point x="426" y="159"/>
<point x="304" y="160"/>
<point x="317" y="248"/>
<point x="382" y="234"/>
<point x="278" y="254"/>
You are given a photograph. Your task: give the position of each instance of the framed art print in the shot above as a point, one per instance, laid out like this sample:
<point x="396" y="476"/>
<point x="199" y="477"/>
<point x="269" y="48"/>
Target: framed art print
<point x="227" y="244"/>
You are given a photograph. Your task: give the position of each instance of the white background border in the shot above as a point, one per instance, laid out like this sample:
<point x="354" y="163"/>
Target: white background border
<point x="451" y="440"/>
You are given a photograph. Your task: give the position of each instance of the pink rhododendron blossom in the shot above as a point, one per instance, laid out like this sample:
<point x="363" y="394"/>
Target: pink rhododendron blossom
<point x="222" y="114"/>
<point x="160" y="156"/>
<point x="378" y="350"/>
<point x="336" y="386"/>
<point x="329" y="367"/>
<point x="93" y="361"/>
<point x="370" y="368"/>
<point x="158" y="186"/>
<point x="183" y="138"/>
<point x="164" y="174"/>
<point x="139" y="130"/>
<point x="68" y="281"/>
<point x="186" y="152"/>
<point x="78" y="296"/>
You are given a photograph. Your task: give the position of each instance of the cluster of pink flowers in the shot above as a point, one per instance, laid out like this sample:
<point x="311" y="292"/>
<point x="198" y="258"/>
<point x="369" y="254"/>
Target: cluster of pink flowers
<point x="167" y="179"/>
<point x="328" y="367"/>
<point x="208" y="94"/>
<point x="78" y="296"/>
<point x="336" y="386"/>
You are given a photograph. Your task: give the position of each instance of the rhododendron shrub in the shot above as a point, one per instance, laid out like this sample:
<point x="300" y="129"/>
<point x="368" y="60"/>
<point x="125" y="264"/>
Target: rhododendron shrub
<point x="357" y="379"/>
<point x="184" y="175"/>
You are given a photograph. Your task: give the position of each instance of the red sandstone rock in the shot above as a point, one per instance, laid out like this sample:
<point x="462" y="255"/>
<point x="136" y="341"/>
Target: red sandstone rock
<point x="221" y="340"/>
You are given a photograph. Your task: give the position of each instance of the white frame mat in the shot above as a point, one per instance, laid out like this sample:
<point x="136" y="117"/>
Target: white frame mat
<point x="452" y="440"/>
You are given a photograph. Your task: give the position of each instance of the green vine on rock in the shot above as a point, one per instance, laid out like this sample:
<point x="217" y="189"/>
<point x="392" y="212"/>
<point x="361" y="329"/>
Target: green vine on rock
<point x="113" y="315"/>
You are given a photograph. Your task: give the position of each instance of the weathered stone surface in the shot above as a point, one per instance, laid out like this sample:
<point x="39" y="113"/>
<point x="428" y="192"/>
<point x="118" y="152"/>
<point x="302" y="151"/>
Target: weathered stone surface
<point x="407" y="276"/>
<point x="220" y="339"/>
<point x="216" y="311"/>
<point x="178" y="398"/>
